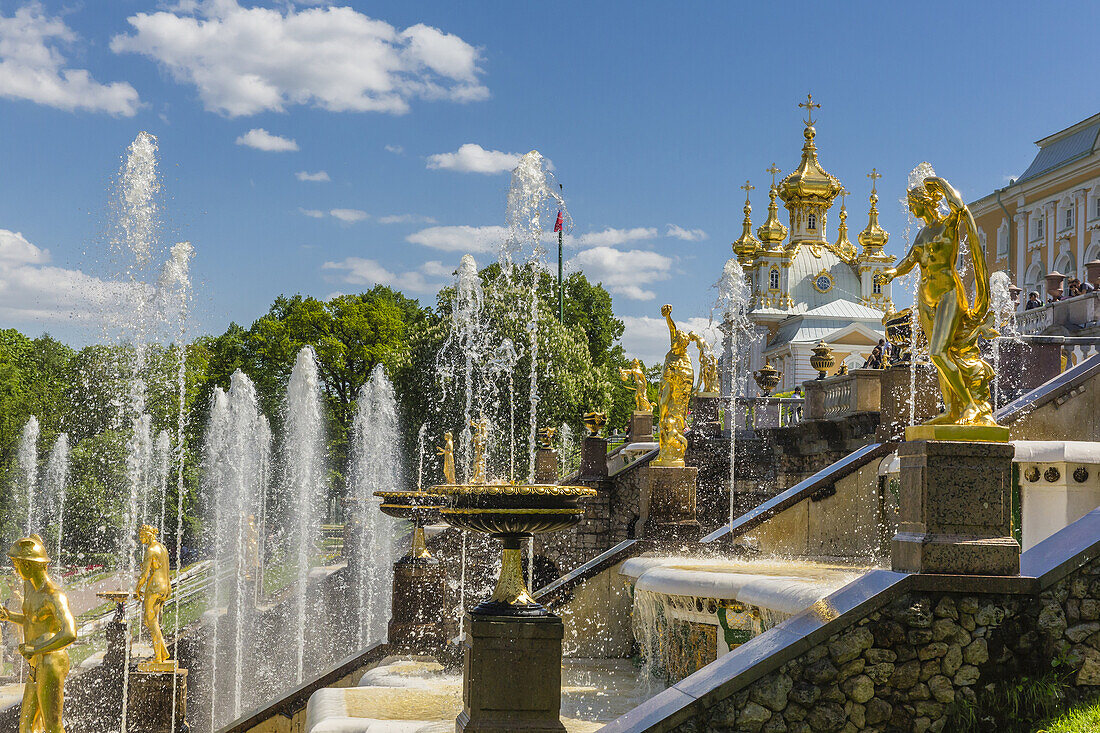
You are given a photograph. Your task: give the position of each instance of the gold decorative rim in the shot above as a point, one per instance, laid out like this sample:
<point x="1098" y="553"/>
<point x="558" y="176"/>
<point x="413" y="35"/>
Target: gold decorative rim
<point x="574" y="510"/>
<point x="514" y="490"/>
<point x="405" y="495"/>
<point x="410" y="506"/>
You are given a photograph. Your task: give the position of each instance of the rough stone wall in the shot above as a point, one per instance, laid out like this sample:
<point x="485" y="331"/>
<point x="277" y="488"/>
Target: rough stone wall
<point x="903" y="666"/>
<point x="573" y="547"/>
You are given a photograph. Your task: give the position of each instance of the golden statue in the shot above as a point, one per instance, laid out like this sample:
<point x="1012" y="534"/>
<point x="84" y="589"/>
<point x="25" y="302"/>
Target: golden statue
<point x="951" y="323"/>
<point x="479" y="436"/>
<point x="636" y="375"/>
<point x="154" y="587"/>
<point x="447" y="450"/>
<point x="708" y="368"/>
<point x="48" y="628"/>
<point x="546" y="437"/>
<point x="676" y="383"/>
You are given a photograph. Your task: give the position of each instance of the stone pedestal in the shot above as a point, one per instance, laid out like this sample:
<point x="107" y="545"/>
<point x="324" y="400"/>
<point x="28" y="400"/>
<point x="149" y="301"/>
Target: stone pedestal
<point x="593" y="458"/>
<point x="705" y="417"/>
<point x="641" y="427"/>
<point x="150" y="705"/>
<point x="956" y="507"/>
<point x="418" y="609"/>
<point x="897" y="388"/>
<point x="671" y="514"/>
<point x="546" y="466"/>
<point x="511" y="675"/>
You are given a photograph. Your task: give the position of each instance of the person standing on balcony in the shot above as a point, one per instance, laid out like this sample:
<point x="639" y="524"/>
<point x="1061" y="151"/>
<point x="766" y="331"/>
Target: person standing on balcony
<point x="1033" y="301"/>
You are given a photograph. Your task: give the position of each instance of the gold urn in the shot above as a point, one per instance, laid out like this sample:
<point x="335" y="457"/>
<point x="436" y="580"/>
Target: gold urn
<point x="767" y="378"/>
<point x="822" y="360"/>
<point x="595" y="421"/>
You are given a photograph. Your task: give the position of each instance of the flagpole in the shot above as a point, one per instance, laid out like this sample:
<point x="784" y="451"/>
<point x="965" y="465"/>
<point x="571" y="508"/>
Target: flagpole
<point x="561" y="289"/>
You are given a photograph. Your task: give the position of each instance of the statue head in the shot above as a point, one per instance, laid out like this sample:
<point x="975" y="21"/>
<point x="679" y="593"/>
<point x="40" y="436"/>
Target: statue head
<point x="448" y="437"/>
<point x="924" y="202"/>
<point x="147" y="534"/>
<point x="637" y="363"/>
<point x="28" y="555"/>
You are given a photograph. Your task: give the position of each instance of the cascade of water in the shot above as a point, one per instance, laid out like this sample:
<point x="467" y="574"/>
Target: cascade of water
<point x="916" y="178"/>
<point x="27" y="461"/>
<point x="162" y="460"/>
<point x="375" y="466"/>
<point x="304" y="466"/>
<point x="1005" y="314"/>
<point x="139" y="467"/>
<point x="55" y="485"/>
<point x="732" y="307"/>
<point x="238" y="442"/>
<point x="566" y="448"/>
<point x="420" y="435"/>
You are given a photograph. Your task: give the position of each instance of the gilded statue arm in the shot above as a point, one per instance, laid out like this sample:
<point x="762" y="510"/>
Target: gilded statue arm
<point x="11" y="616"/>
<point x="66" y="632"/>
<point x="146" y="571"/>
<point x="907" y="263"/>
<point x="666" y="311"/>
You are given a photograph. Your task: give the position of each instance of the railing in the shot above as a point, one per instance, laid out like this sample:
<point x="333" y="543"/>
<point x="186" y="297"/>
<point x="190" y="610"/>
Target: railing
<point x="833" y="398"/>
<point x="769" y="412"/>
<point x="1072" y="314"/>
<point x="838" y="397"/>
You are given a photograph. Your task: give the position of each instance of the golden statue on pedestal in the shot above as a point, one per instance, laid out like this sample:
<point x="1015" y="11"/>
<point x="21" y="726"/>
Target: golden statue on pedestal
<point x="708" y="368"/>
<point x="48" y="628"/>
<point x="951" y="323"/>
<point x="154" y="587"/>
<point x="479" y="437"/>
<point x="676" y="383"/>
<point x="636" y="375"/>
<point x="447" y="450"/>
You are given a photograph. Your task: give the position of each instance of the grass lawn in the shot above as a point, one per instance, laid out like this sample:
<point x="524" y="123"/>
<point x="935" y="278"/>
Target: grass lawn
<point x="1084" y="718"/>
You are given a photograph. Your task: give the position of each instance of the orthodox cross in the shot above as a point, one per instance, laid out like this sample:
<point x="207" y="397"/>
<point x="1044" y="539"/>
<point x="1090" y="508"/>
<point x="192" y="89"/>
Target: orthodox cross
<point x="746" y="188"/>
<point x="810" y="106"/>
<point x="843" y="192"/>
<point x="874" y="175"/>
<point x="774" y="170"/>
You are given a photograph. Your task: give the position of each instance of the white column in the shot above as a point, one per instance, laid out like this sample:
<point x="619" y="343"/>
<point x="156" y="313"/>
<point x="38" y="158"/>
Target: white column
<point x="1081" y="214"/>
<point x="1021" y="250"/>
<point x="1049" y="227"/>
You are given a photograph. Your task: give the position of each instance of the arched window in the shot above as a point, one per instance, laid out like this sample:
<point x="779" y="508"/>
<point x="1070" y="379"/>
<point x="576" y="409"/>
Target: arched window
<point x="811" y="221"/>
<point x="773" y="279"/>
<point x="876" y="286"/>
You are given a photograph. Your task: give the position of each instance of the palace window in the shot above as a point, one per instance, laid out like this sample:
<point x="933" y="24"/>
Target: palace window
<point x="1069" y="217"/>
<point x="1039" y="228"/>
<point x="876" y="288"/>
<point x="1002" y="239"/>
<point x="773" y="279"/>
<point x="1097" y="199"/>
<point x="811" y="221"/>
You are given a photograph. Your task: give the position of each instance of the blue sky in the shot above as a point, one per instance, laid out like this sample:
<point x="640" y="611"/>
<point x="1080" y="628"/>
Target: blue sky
<point x="652" y="113"/>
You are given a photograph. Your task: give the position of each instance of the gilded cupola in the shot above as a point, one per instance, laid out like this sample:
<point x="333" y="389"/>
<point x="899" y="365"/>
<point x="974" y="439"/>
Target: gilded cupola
<point x="874" y="237"/>
<point x="809" y="182"/>
<point x="746" y="246"/>
<point x="772" y="232"/>
<point x="844" y="248"/>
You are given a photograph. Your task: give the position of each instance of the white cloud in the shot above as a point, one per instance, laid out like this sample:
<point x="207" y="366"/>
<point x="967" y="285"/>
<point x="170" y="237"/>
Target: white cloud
<point x="688" y="235"/>
<point x="623" y="273"/>
<point x="405" y="219"/>
<point x="314" y="213"/>
<point x="348" y="215"/>
<point x="646" y="337"/>
<point x="34" y="291"/>
<point x="318" y="177"/>
<point x="365" y="272"/>
<point x="246" y="60"/>
<point x="261" y="139"/>
<point x="31" y="67"/>
<point x="435" y="268"/>
<point x="395" y="149"/>
<point x="460" y="238"/>
<point x="472" y="158"/>
<point x="610" y="237"/>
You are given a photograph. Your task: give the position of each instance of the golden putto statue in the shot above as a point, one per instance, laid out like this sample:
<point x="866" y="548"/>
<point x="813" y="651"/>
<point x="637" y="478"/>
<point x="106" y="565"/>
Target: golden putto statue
<point x="677" y="380"/>
<point x="951" y="323"/>
<point x="48" y="629"/>
<point x="447" y="450"/>
<point x="154" y="587"/>
<point x="635" y="377"/>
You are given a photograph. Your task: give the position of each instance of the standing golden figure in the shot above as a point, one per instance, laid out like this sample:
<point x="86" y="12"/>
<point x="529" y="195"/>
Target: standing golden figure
<point x="48" y="628"/>
<point x="951" y="323"/>
<point x="479" y="436"/>
<point x="636" y="375"/>
<point x="154" y="587"/>
<point x="708" y="368"/>
<point x="447" y="450"/>
<point x="677" y="380"/>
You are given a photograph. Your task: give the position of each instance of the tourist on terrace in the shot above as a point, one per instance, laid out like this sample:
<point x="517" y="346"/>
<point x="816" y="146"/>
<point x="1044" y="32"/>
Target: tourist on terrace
<point x="1033" y="301"/>
<point x="1074" y="288"/>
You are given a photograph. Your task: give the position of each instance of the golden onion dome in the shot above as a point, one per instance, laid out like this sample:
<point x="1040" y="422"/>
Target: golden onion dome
<point x="874" y="237"/>
<point x="809" y="180"/>
<point x="844" y="248"/>
<point x="746" y="246"/>
<point x="772" y="232"/>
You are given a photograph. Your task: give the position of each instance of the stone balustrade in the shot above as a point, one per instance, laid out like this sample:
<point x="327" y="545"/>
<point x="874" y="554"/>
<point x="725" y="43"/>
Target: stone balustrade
<point x="833" y="398"/>
<point x="1064" y="316"/>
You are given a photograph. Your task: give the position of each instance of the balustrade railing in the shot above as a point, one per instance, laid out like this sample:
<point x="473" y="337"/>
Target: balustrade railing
<point x="1073" y="313"/>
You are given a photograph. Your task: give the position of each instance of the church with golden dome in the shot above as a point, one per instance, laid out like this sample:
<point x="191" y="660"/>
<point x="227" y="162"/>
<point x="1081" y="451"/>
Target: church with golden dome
<point x="804" y="286"/>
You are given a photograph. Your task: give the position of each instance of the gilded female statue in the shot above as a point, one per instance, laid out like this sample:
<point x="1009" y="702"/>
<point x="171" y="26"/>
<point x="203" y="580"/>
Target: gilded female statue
<point x="154" y="588"/>
<point x="48" y="628"/>
<point x="708" y="368"/>
<point x="676" y="383"/>
<point x="950" y="322"/>
<point x="635" y="378"/>
<point x="447" y="450"/>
